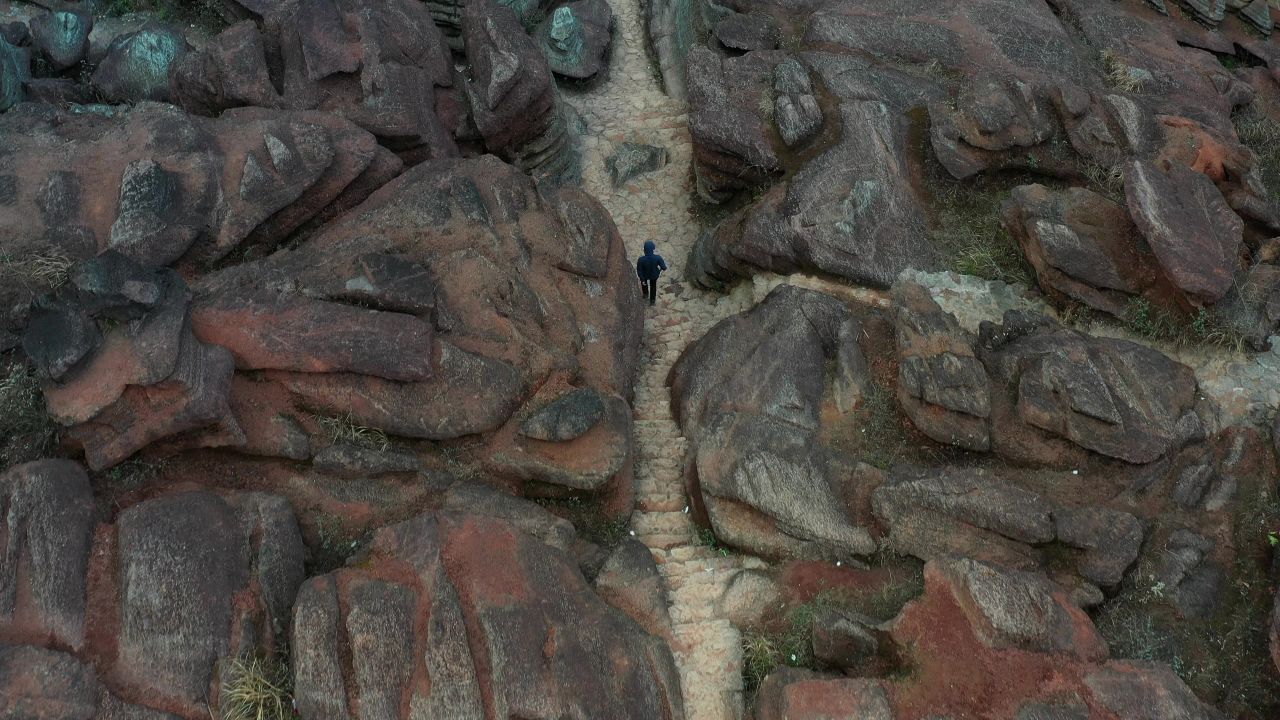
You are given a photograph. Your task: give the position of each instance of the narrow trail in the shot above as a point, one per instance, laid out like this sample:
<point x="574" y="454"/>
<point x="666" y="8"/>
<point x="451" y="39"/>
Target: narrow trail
<point x="631" y="107"/>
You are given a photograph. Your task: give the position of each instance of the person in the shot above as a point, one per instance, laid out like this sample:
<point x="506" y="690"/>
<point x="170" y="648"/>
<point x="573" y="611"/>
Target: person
<point x="649" y="268"/>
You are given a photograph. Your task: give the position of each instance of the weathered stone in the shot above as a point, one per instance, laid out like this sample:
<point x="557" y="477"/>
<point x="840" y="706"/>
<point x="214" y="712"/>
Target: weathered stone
<point x="40" y="684"/>
<point x="565" y="418"/>
<point x="576" y="38"/>
<point x="1146" y="691"/>
<point x="1112" y="539"/>
<point x="748" y="395"/>
<point x="47" y="526"/>
<point x="748" y="32"/>
<point x="1191" y="231"/>
<point x="630" y="581"/>
<point x="551" y="646"/>
<point x="795" y="695"/>
<point x="942" y="386"/>
<point x="138" y="64"/>
<point x="62" y="36"/>
<point x="353" y="461"/>
<point x="15" y="71"/>
<point x="630" y="160"/>
<point x="1193" y="580"/>
<point x="844" y="641"/>
<point x="230" y="71"/>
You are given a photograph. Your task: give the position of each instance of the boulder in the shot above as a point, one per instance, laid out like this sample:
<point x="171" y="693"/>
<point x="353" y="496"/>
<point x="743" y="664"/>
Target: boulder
<point x="1084" y="247"/>
<point x="942" y="386"/>
<point x="1146" y="691"/>
<point x="851" y="212"/>
<point x="48" y="526"/>
<point x="229" y="71"/>
<point x="185" y="557"/>
<point x="1189" y="572"/>
<point x="513" y="97"/>
<point x="147" y="379"/>
<point x="576" y="37"/>
<point x="795" y="107"/>
<point x="138" y="64"/>
<point x="748" y="396"/>
<point x="383" y="66"/>
<point x="461" y="300"/>
<point x="1187" y="223"/>
<point x="732" y="149"/>
<point x="159" y="186"/>
<point x="748" y="32"/>
<point x="15" y="71"/>
<point x="630" y="581"/>
<point x="514" y="627"/>
<point x="794" y="695"/>
<point x="62" y="37"/>
<point x="1112" y="540"/>
<point x="630" y="160"/>
<point x="1057" y="391"/>
<point x="844" y="640"/>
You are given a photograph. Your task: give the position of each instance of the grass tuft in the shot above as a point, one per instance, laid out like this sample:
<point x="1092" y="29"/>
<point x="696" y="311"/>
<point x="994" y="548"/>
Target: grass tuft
<point x="46" y="269"/>
<point x="972" y="240"/>
<point x="134" y="473"/>
<point x="26" y="430"/>
<point x="345" y="428"/>
<point x="1119" y="74"/>
<point x="1107" y="181"/>
<point x="1204" y="329"/>
<point x="256" y="689"/>
<point x="1259" y="130"/>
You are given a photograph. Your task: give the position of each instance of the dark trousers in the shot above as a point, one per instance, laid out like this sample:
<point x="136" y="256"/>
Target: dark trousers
<point x="651" y="287"/>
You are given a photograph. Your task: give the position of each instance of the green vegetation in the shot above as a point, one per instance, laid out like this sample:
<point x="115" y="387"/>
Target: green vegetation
<point x="134" y="473"/>
<point x="707" y="538"/>
<point x="336" y="545"/>
<point x="1224" y="658"/>
<point x="1259" y="130"/>
<point x="971" y="238"/>
<point x="256" y="689"/>
<point x="1205" y="328"/>
<point x="789" y="640"/>
<point x="345" y="429"/>
<point x="589" y="518"/>
<point x="204" y="13"/>
<point x="26" y="431"/>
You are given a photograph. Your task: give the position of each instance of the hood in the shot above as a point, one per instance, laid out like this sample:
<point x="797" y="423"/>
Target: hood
<point x="649" y="247"/>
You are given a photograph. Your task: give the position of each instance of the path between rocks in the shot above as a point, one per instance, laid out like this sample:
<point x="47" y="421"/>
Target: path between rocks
<point x="631" y="107"/>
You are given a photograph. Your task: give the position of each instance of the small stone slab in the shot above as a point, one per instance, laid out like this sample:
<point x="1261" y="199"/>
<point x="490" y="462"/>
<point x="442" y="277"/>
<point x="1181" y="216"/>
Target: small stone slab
<point x="566" y="417"/>
<point x="630" y="160"/>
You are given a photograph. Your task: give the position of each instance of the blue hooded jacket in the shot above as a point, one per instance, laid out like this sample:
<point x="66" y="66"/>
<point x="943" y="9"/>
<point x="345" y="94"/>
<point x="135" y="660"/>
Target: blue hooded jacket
<point x="650" y="265"/>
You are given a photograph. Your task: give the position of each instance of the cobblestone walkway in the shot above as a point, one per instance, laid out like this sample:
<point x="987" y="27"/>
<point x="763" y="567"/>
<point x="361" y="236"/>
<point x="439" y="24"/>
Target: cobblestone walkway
<point x="631" y="107"/>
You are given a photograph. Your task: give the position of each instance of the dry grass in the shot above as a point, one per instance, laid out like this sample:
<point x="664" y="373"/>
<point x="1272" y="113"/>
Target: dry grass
<point x="1204" y="329"/>
<point x="256" y="689"/>
<point x="1107" y="181"/>
<point x="26" y="431"/>
<point x="48" y="269"/>
<point x="1119" y="74"/>
<point x="346" y="429"/>
<point x="1259" y="130"/>
<point x="972" y="240"/>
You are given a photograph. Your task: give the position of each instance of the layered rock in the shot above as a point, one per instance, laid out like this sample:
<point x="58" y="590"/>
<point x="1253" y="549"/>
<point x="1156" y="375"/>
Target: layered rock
<point x="851" y="212"/>
<point x="460" y="300"/>
<point x="145" y="609"/>
<point x="160" y="186"/>
<point x="936" y="512"/>
<point x="459" y="615"/>
<point x="1039" y="393"/>
<point x="383" y="66"/>
<point x="749" y="397"/>
<point x="514" y="103"/>
<point x="1028" y="653"/>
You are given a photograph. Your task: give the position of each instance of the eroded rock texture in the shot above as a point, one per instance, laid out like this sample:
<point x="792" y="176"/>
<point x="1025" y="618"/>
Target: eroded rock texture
<point x="143" y="609"/>
<point x="749" y="396"/>
<point x="463" y="615"/>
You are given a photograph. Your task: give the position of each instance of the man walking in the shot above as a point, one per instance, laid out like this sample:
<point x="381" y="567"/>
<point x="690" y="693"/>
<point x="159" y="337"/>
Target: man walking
<point x="648" y="268"/>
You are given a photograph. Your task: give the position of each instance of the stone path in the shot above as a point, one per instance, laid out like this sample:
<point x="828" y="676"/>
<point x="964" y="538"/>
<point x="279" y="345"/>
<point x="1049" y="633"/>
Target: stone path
<point x="631" y="107"/>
